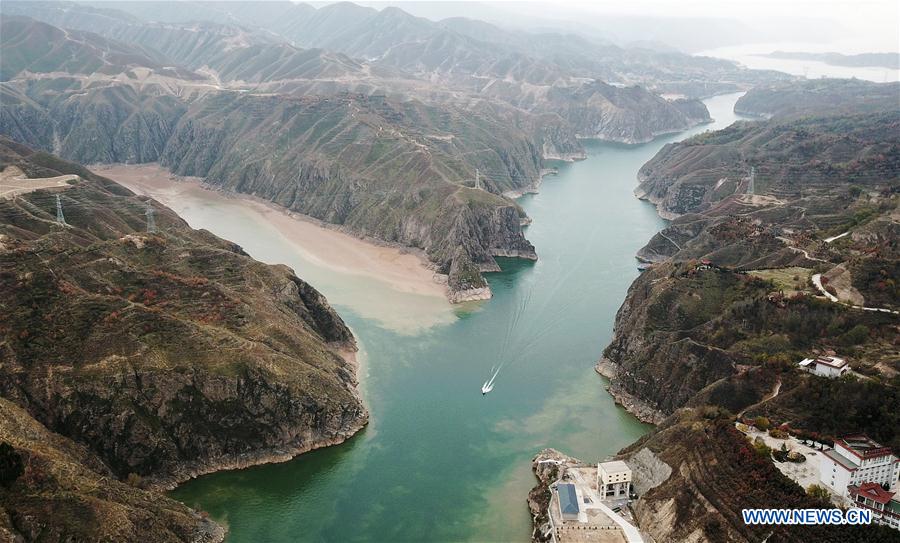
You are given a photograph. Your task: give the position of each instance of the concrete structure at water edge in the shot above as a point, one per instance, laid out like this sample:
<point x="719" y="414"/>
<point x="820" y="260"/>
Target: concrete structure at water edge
<point x="856" y="460"/>
<point x="614" y="480"/>
<point x="576" y="511"/>
<point x="884" y="505"/>
<point x="825" y="366"/>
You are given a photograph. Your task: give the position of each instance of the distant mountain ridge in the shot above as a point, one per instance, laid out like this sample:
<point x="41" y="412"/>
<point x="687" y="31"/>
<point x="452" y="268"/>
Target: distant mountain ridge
<point x="416" y="44"/>
<point x="819" y="97"/>
<point x="38" y="48"/>
<point x="409" y="86"/>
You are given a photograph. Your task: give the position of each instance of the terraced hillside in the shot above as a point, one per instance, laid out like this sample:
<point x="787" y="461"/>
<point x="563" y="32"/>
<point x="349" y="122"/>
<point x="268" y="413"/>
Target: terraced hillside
<point x="167" y="353"/>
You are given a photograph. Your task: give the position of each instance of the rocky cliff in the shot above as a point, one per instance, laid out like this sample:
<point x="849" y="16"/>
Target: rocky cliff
<point x="65" y="493"/>
<point x="389" y="170"/>
<point x="167" y="353"/>
<point x="626" y="115"/>
<point x="662" y="352"/>
<point x="101" y="125"/>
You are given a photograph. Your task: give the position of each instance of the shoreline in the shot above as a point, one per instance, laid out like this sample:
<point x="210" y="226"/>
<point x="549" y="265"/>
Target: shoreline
<point x="272" y="455"/>
<point x="275" y="455"/>
<point x="534" y="188"/>
<point x="637" y="407"/>
<point x="332" y="246"/>
<point x="654" y="134"/>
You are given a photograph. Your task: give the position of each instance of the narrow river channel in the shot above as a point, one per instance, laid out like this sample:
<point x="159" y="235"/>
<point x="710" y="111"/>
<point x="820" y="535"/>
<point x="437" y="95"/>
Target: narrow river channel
<point x="439" y="461"/>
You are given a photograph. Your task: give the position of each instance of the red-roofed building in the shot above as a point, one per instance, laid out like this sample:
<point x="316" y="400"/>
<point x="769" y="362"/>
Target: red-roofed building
<point x="885" y="509"/>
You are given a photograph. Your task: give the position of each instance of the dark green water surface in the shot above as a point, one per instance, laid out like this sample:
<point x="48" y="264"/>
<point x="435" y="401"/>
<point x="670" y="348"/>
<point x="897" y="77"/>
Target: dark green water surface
<point x="440" y="462"/>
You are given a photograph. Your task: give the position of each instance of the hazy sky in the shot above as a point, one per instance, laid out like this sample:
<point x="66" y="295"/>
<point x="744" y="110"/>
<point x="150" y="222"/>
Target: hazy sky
<point x="860" y="25"/>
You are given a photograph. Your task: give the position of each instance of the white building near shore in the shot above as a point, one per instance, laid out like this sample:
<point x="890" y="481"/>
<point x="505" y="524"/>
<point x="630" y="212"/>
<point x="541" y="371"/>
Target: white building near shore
<point x="856" y="460"/>
<point x="614" y="480"/>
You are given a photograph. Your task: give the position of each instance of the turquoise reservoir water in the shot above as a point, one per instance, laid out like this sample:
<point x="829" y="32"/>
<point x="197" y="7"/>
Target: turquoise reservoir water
<point x="439" y="461"/>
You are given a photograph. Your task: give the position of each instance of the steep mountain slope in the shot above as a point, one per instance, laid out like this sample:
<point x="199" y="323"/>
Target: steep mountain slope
<point x="818" y="96"/>
<point x="733" y="294"/>
<point x="116" y="123"/>
<point x="627" y="115"/>
<point x="386" y="148"/>
<point x="65" y="493"/>
<point x="357" y="154"/>
<point x="389" y="170"/>
<point x="400" y="172"/>
<point x="781" y="160"/>
<point x="168" y="353"/>
<point x="399" y="49"/>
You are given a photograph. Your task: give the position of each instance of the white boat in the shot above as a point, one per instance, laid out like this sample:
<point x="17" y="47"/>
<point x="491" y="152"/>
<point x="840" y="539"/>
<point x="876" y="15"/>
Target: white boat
<point x="487" y="387"/>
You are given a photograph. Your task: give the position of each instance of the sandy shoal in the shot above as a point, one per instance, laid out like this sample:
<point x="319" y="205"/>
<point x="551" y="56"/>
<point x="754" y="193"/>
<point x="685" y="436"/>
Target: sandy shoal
<point x="327" y="246"/>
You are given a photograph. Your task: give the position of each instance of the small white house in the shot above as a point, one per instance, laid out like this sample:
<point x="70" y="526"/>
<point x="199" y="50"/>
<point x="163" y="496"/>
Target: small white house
<point x="825" y="366"/>
<point x="614" y="480"/>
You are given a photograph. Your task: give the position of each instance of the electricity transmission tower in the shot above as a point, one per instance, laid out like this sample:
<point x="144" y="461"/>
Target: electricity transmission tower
<point x="751" y="186"/>
<point x="60" y="218"/>
<point x="477" y="179"/>
<point x="151" y="222"/>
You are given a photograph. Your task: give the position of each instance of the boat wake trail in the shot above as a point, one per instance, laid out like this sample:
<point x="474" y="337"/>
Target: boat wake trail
<point x="529" y="326"/>
<point x="489" y="384"/>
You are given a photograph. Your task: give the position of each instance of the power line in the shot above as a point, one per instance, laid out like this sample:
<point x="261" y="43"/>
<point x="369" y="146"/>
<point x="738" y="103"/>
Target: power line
<point x="60" y="218"/>
<point x="151" y="222"/>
